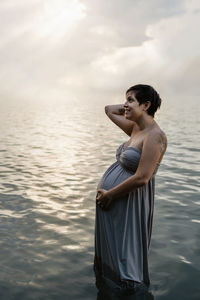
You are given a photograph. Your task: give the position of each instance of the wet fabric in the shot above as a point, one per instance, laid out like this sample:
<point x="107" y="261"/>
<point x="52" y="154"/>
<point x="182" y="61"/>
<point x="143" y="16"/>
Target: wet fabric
<point x="123" y="233"/>
<point x="138" y="293"/>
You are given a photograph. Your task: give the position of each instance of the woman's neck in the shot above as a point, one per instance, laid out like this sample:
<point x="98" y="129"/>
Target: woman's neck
<point x="145" y="122"/>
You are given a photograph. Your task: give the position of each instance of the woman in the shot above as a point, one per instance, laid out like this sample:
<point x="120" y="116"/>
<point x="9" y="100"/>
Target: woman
<point x="125" y="194"/>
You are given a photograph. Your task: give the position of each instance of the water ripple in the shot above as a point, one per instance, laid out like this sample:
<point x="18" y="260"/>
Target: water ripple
<point x="52" y="158"/>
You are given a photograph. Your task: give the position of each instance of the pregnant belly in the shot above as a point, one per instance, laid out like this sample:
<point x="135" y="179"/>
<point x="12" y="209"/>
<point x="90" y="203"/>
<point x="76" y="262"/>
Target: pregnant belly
<point x="113" y="176"/>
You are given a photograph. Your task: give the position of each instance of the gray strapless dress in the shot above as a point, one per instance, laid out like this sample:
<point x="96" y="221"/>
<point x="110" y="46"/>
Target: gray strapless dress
<point x="123" y="233"/>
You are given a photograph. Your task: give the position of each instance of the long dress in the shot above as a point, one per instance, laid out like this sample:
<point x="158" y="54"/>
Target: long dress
<point x="123" y="233"/>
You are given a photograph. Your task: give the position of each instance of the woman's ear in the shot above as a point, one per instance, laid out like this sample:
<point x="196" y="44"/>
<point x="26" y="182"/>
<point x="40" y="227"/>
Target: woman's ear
<point x="147" y="104"/>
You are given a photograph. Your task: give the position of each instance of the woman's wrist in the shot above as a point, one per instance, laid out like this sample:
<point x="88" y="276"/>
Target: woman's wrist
<point x="109" y="195"/>
<point x="117" y="109"/>
<point x="121" y="110"/>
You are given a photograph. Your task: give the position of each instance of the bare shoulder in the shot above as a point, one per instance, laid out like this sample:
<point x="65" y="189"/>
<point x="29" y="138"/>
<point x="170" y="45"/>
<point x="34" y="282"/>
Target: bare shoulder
<point x="158" y="136"/>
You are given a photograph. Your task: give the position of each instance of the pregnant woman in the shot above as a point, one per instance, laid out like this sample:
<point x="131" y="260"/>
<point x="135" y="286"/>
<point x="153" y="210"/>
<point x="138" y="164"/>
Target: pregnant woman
<point x="125" y="194"/>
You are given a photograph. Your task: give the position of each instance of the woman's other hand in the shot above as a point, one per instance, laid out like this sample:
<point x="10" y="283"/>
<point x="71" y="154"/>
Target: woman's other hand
<point x="102" y="199"/>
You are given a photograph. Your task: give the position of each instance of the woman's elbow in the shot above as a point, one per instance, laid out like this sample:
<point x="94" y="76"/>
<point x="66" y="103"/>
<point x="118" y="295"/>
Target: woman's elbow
<point x="142" y="180"/>
<point x="106" y="109"/>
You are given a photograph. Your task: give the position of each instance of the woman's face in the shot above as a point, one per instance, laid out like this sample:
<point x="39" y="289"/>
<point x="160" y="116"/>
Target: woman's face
<point x="133" y="109"/>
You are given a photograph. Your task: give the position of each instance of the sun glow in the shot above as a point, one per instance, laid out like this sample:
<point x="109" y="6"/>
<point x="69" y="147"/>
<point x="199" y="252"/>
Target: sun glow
<point x="58" y="17"/>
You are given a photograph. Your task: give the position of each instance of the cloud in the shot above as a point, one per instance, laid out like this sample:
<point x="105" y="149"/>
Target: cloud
<point x="168" y="59"/>
<point x="51" y="48"/>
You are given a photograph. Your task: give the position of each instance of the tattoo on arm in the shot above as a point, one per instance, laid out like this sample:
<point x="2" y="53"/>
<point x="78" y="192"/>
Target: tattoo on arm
<point x="162" y="141"/>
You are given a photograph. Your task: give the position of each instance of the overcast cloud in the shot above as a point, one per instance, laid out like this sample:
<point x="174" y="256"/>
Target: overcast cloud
<point x="49" y="49"/>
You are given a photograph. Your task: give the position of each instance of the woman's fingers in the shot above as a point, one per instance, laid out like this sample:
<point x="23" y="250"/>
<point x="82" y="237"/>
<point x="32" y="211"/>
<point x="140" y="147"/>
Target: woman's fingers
<point x="99" y="194"/>
<point x="102" y="201"/>
<point x="103" y="204"/>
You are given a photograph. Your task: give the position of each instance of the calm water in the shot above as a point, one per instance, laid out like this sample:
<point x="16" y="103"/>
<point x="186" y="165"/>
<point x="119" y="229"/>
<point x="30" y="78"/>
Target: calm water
<point x="52" y="157"/>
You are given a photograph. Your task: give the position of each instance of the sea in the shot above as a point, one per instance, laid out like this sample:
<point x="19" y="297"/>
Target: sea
<point x="52" y="156"/>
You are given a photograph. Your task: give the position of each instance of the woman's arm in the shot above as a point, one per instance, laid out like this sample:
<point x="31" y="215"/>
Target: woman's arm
<point x="116" y="115"/>
<point x="154" y="147"/>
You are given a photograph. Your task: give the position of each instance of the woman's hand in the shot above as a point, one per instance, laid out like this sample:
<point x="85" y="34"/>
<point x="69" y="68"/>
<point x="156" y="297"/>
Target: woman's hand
<point x="103" y="199"/>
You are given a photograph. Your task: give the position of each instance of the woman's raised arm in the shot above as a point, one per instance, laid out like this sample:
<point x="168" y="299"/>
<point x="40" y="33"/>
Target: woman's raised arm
<point x="116" y="115"/>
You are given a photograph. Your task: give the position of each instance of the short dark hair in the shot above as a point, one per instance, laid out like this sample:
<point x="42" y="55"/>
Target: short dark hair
<point x="143" y="93"/>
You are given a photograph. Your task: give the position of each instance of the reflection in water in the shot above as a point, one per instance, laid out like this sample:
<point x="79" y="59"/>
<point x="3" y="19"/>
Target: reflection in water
<point x="138" y="293"/>
<point x="128" y="290"/>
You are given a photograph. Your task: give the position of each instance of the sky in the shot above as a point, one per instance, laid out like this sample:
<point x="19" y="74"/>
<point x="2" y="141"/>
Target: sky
<point x="89" y="49"/>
